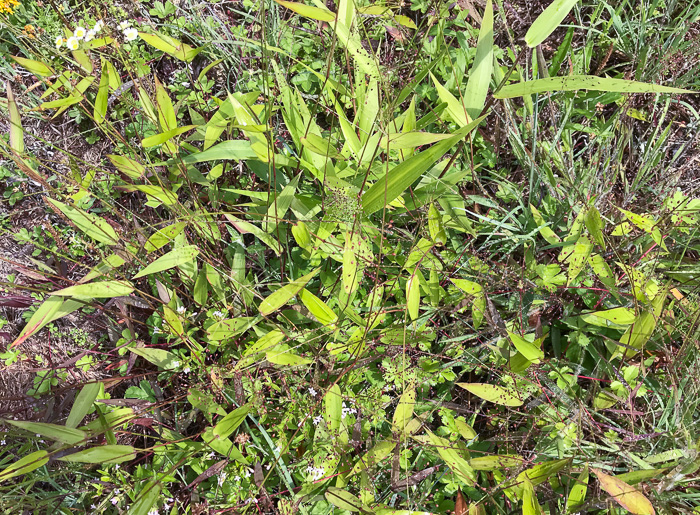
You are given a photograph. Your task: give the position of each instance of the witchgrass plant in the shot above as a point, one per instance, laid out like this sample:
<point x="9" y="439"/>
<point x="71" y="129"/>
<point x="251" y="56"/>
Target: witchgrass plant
<point x="429" y="275"/>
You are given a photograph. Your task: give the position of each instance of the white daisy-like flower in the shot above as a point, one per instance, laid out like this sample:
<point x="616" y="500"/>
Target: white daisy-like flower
<point x="131" y="34"/>
<point x="79" y="33"/>
<point x="58" y="42"/>
<point x="90" y="35"/>
<point x="312" y="392"/>
<point x="99" y="25"/>
<point x="72" y="43"/>
<point x="124" y="25"/>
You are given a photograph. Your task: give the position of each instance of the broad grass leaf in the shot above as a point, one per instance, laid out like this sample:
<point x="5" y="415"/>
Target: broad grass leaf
<point x="333" y="405"/>
<point x="399" y="178"/>
<point x="170" y="46"/>
<point x="24" y="465"/>
<point x="625" y="495"/>
<point x="163" y="137"/>
<point x="404" y="410"/>
<point x="92" y="225"/>
<point x="465" y="430"/>
<point x="589" y="82"/>
<point x="435" y="226"/>
<point x="147" y="498"/>
<point x="280" y="204"/>
<point x="102" y="97"/>
<point x="163" y="236"/>
<point x="455" y="109"/>
<point x="578" y="491"/>
<point x="482" y="67"/>
<point x="453" y="459"/>
<point x="601" y="268"/>
<point x="246" y="227"/>
<point x="223" y="446"/>
<point x="594" y="224"/>
<point x="97" y="290"/>
<point x="224" y="329"/>
<point x="155" y="193"/>
<point x="343" y="500"/>
<point x="233" y="150"/>
<point x="308" y="11"/>
<point x="530" y="350"/>
<point x="324" y="314"/>
<point x="129" y="167"/>
<point x="36" y="67"/>
<point x="610" y="317"/>
<point x="579" y="257"/>
<point x="493" y="393"/>
<point x="63" y="434"/>
<point x="530" y="506"/>
<point x="352" y="42"/>
<point x="282" y="355"/>
<point x="160" y="357"/>
<point x="540" y="473"/>
<point x="413" y="295"/>
<point x="496" y="462"/>
<point x="230" y="422"/>
<point x="175" y="257"/>
<point x="280" y="297"/>
<point x="372" y="457"/>
<point x="102" y="454"/>
<point x="548" y="21"/>
<point x="548" y="234"/>
<point x="52" y="309"/>
<point x="16" y="131"/>
<point x="351" y="268"/>
<point x="82" y="404"/>
<point x="409" y="140"/>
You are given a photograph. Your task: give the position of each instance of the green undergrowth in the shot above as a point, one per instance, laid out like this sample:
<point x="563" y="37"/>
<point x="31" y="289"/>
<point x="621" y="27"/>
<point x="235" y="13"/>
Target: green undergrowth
<point x="373" y="259"/>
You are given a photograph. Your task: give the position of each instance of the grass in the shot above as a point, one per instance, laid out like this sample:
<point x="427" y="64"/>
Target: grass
<point x="284" y="270"/>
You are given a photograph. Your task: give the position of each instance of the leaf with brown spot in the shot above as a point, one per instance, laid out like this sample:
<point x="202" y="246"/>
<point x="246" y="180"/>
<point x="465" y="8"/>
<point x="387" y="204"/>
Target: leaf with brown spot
<point x="625" y="495"/>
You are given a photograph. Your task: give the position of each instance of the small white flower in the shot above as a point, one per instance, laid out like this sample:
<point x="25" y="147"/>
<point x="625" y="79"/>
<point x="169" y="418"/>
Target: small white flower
<point x="117" y="492"/>
<point x="211" y="455"/>
<point x="131" y="34"/>
<point x="222" y="478"/>
<point x="318" y="420"/>
<point x="181" y="310"/>
<point x="267" y="467"/>
<point x="237" y="478"/>
<point x="93" y="507"/>
<point x="115" y="501"/>
<point x="154" y="511"/>
<point x="218" y="314"/>
<point x="156" y="330"/>
<point x="312" y="392"/>
<point x="72" y="43"/>
<point x="58" y="42"/>
<point x="176" y="364"/>
<point x="90" y="35"/>
<point x="185" y="84"/>
<point x="38" y="435"/>
<point x="99" y="25"/>
<point x="186" y="370"/>
<point x="117" y="468"/>
<point x="79" y="33"/>
<point x="3" y="442"/>
<point x="124" y="25"/>
<point x="246" y="473"/>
